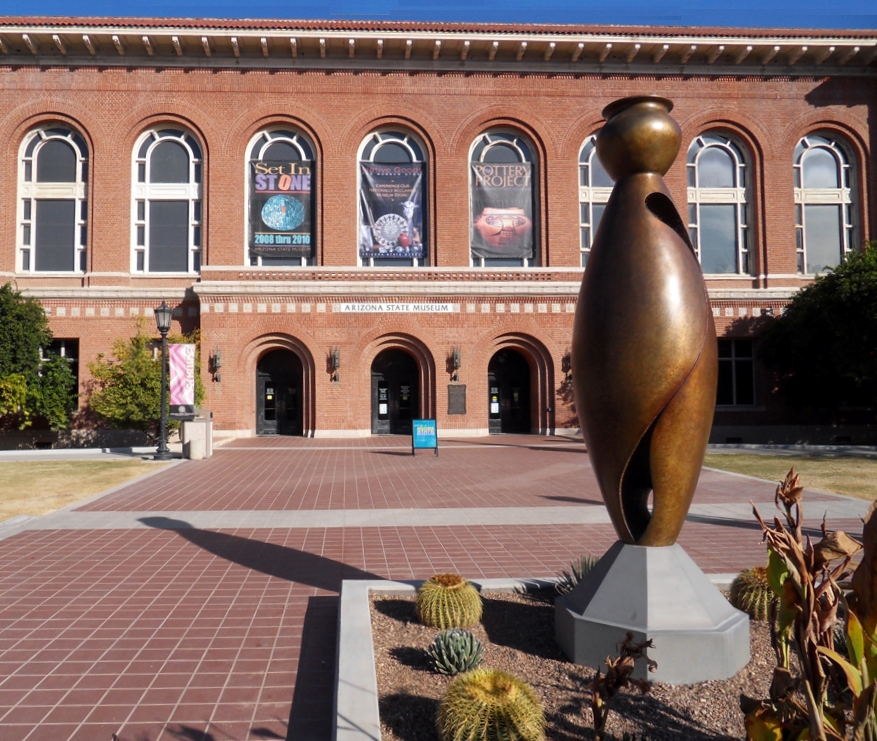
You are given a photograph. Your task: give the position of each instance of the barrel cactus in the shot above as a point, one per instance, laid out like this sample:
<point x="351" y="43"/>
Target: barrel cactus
<point x="751" y="592"/>
<point x="490" y="704"/>
<point x="448" y="601"/>
<point x="455" y="651"/>
<point x="568" y="580"/>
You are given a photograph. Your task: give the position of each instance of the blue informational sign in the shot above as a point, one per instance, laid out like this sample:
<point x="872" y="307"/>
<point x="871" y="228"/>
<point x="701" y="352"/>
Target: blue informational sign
<point x="423" y="435"/>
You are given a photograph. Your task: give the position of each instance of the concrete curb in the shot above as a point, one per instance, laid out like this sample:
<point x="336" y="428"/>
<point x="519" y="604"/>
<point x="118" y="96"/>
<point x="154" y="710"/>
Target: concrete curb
<point x="356" y="716"/>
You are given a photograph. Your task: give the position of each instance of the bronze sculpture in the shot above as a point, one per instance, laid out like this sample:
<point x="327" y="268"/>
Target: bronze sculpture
<point x="644" y="353"/>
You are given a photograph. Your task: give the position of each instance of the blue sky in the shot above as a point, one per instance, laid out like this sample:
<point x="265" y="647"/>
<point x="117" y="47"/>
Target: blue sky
<point x="852" y="14"/>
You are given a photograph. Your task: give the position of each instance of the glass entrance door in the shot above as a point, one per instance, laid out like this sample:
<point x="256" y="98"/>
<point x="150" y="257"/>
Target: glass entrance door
<point x="508" y="401"/>
<point x="395" y="401"/>
<point x="279" y="394"/>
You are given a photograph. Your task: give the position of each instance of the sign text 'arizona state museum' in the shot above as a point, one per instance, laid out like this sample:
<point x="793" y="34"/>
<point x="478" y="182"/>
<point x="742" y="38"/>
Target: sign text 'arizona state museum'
<point x="391" y="208"/>
<point x="502" y="210"/>
<point x="280" y="208"/>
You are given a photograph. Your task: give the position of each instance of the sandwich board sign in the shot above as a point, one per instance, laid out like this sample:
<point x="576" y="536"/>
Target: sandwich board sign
<point x="423" y="435"/>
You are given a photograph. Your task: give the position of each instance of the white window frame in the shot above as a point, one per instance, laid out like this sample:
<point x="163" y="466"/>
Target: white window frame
<point x="589" y="196"/>
<point x="379" y="137"/>
<point x="737" y="196"/>
<point x="255" y="150"/>
<point x="842" y="196"/>
<point x="30" y="191"/>
<point x="144" y="192"/>
<point x="522" y="145"/>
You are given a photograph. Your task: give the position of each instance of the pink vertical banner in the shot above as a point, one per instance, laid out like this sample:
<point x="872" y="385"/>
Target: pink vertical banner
<point x="182" y="368"/>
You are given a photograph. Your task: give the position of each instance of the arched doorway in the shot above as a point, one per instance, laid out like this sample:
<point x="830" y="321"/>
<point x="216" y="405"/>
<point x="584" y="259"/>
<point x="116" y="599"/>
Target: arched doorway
<point x="508" y="386"/>
<point x="395" y="398"/>
<point x="279" y="394"/>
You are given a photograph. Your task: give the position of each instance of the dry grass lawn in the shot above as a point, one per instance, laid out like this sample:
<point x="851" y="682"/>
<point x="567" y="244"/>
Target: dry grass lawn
<point x="854" y="477"/>
<point x="39" y="487"/>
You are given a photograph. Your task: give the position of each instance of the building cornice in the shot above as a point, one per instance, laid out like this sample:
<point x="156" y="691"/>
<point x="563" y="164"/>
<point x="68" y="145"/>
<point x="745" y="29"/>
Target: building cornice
<point x="332" y="45"/>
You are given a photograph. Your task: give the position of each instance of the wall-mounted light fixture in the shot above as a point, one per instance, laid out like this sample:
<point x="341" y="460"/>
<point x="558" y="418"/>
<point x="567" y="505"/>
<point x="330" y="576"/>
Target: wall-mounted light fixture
<point x="456" y="363"/>
<point x="566" y="365"/>
<point x="216" y="364"/>
<point x="767" y="311"/>
<point x="334" y="363"/>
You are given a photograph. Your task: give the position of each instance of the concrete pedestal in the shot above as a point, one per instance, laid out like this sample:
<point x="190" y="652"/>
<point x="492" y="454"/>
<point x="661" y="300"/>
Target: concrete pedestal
<point x="658" y="594"/>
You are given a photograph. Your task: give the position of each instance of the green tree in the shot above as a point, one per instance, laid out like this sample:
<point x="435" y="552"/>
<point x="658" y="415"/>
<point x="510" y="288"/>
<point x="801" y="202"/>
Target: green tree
<point x="30" y="386"/>
<point x="126" y="388"/>
<point x="823" y="349"/>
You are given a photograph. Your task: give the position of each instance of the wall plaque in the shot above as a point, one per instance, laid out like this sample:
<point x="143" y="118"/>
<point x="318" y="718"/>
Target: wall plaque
<point x="457" y="399"/>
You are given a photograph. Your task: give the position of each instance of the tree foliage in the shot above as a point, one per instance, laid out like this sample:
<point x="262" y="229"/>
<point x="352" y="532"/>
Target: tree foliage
<point x="30" y="386"/>
<point x="823" y="348"/>
<point x="126" y="388"/>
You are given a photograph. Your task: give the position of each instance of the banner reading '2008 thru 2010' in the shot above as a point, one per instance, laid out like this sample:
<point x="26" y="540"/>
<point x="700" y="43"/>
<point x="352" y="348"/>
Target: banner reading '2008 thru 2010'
<point x="391" y="209"/>
<point x="280" y="208"/>
<point x="181" y="359"/>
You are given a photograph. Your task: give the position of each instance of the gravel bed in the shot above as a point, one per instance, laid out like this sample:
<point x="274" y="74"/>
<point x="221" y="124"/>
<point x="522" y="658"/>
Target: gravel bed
<point x="518" y="635"/>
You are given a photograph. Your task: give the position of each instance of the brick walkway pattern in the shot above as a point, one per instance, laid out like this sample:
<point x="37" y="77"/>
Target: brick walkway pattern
<point x="156" y="629"/>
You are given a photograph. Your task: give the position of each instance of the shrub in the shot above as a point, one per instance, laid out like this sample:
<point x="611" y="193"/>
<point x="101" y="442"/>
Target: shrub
<point x="568" y="580"/>
<point x="455" y="651"/>
<point x="448" y="601"/>
<point x="490" y="704"/>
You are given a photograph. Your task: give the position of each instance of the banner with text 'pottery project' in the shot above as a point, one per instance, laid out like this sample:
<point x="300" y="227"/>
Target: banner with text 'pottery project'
<point x="502" y="210"/>
<point x="391" y="211"/>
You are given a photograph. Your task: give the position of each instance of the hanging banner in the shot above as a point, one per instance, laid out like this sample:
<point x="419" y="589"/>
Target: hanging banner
<point x="181" y="359"/>
<point x="502" y="210"/>
<point x="391" y="211"/>
<point x="280" y="208"/>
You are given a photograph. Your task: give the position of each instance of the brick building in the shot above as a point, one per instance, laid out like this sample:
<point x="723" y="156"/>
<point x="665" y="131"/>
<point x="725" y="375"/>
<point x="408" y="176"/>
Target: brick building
<point x="372" y="290"/>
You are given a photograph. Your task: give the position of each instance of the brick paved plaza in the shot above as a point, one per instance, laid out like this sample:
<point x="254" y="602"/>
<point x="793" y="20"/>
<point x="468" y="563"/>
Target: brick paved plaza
<point x="200" y="602"/>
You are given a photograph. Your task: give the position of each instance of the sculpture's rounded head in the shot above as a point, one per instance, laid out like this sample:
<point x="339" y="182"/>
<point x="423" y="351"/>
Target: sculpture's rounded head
<point x="639" y="136"/>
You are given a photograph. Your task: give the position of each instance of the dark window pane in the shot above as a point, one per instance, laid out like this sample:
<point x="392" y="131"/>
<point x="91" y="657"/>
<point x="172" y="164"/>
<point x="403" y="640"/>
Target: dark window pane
<point x="597" y="210"/>
<point x="56" y="162"/>
<point x="583" y="175"/>
<point x="820" y="169"/>
<point x="197" y="206"/>
<point x="743" y="348"/>
<point x="141" y="261"/>
<point x="282" y="151"/>
<point x="83" y="235"/>
<point x="193" y="144"/>
<point x="28" y="171"/>
<point x="501" y="154"/>
<point x="725" y="349"/>
<point x="169" y="163"/>
<point x="141" y="173"/>
<point x="391" y="152"/>
<point x="85" y="172"/>
<point x="715" y="168"/>
<point x="169" y="236"/>
<point x="27" y="212"/>
<point x="599" y="177"/>
<point x="25" y="234"/>
<point x="141" y="210"/>
<point x="144" y="148"/>
<point x="386" y="262"/>
<point x="823" y="236"/>
<point x="32" y="145"/>
<point x="584" y="218"/>
<point x="55" y="234"/>
<point x="586" y="238"/>
<point x="718" y="238"/>
<point x="25" y="260"/>
<point x="502" y="262"/>
<point x="725" y="388"/>
<point x="745" y="382"/>
<point x="83" y="210"/>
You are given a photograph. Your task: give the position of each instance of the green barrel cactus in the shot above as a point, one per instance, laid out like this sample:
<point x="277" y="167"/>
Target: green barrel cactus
<point x="455" y="651"/>
<point x="490" y="704"/>
<point x="448" y="601"/>
<point x="751" y="592"/>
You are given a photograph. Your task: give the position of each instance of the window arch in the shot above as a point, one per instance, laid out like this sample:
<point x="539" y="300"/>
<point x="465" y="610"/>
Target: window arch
<point x="824" y="203"/>
<point x="53" y="201"/>
<point x="280" y="199"/>
<point x="391" y="200"/>
<point x="167" y="207"/>
<point x="502" y="172"/>
<point x="718" y="208"/>
<point x="595" y="187"/>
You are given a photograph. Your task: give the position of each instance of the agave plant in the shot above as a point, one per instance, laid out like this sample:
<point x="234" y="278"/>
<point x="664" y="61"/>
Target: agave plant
<point x="455" y="651"/>
<point x="568" y="580"/>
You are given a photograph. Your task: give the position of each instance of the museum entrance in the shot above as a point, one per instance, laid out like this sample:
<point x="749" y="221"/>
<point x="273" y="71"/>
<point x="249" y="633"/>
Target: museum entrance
<point x="508" y="387"/>
<point x="279" y="394"/>
<point x="395" y="398"/>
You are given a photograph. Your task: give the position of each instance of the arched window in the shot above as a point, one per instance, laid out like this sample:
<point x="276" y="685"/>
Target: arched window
<point x="502" y="173"/>
<point x="167" y="208"/>
<point x="824" y="205"/>
<point x="392" y="200"/>
<point x="595" y="187"/>
<point x="718" y="212"/>
<point x="280" y="199"/>
<point x="53" y="201"/>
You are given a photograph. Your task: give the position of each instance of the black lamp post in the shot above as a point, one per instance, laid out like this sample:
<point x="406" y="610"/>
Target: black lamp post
<point x="163" y="322"/>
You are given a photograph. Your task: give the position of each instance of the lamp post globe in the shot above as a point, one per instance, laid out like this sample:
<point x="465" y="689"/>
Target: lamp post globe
<point x="163" y="322"/>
